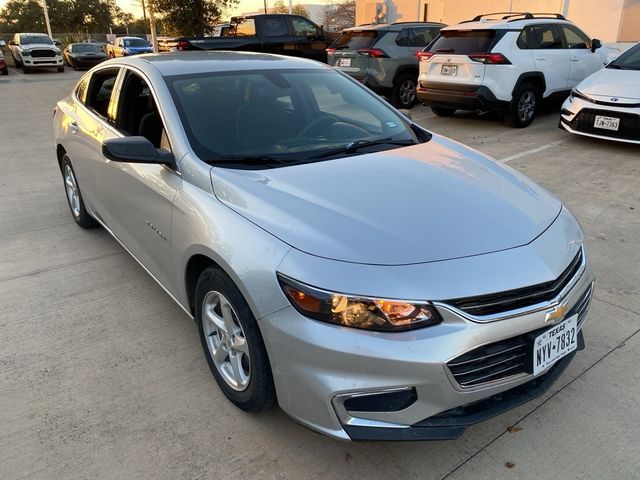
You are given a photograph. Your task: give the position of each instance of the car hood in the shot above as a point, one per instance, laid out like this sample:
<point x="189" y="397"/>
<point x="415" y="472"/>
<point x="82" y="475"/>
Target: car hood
<point x="429" y="202"/>
<point x="31" y="46"/>
<point x="609" y="82"/>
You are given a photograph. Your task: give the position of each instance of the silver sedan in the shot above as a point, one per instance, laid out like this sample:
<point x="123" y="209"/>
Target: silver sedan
<point x="375" y="280"/>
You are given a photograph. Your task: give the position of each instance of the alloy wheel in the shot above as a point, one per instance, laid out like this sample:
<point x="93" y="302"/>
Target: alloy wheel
<point x="226" y="341"/>
<point x="527" y="106"/>
<point x="407" y="92"/>
<point x="71" y="187"/>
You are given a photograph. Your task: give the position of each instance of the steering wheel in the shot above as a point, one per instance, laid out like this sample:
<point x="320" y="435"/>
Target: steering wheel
<point x="320" y="126"/>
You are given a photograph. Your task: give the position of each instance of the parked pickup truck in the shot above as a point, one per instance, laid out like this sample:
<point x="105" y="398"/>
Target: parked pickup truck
<point x="126" y="46"/>
<point x="291" y="35"/>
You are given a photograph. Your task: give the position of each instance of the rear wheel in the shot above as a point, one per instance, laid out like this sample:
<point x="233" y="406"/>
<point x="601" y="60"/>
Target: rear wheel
<point x="232" y="342"/>
<point x="404" y="91"/>
<point x="74" y="197"/>
<point x="5" y="71"/>
<point x="523" y="106"/>
<point x="443" y="111"/>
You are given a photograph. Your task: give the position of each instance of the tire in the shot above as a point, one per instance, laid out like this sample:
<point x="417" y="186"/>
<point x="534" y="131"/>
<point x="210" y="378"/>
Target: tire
<point x="5" y="71"/>
<point x="443" y="111"/>
<point x="25" y="69"/>
<point x="61" y="69"/>
<point x="76" y="204"/>
<point x="253" y="390"/>
<point x="403" y="94"/>
<point x="524" y="106"/>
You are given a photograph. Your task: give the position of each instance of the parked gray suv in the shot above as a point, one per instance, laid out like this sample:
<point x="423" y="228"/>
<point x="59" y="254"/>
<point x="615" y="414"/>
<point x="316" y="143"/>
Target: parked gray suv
<point x="383" y="57"/>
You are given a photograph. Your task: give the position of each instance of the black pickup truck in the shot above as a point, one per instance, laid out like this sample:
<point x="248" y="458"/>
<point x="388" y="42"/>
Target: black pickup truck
<point x="283" y="34"/>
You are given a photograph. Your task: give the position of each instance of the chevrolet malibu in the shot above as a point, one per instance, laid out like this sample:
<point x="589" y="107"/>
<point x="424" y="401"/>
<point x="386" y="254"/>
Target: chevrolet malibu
<point x="376" y="280"/>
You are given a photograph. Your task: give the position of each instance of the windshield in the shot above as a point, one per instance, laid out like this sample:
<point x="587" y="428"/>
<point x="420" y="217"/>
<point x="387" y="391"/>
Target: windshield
<point x="31" y="39"/>
<point x="293" y="115"/>
<point x="135" y="42"/>
<point x="629" y="60"/>
<point x="463" y="42"/>
<point x="81" y="48"/>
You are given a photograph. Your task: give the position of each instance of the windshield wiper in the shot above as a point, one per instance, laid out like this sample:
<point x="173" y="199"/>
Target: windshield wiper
<point x="250" y="160"/>
<point x="358" y="144"/>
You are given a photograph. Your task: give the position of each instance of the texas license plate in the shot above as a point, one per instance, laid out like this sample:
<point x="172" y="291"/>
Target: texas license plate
<point x="555" y="343"/>
<point x="345" y="62"/>
<point x="607" y="123"/>
<point x="450" y="70"/>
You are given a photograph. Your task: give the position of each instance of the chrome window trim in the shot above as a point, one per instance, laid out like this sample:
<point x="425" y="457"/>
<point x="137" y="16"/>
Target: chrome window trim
<point x="538" y="307"/>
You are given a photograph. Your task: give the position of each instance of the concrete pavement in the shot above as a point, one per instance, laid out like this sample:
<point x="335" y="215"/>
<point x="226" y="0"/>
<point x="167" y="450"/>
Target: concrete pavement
<point x="102" y="375"/>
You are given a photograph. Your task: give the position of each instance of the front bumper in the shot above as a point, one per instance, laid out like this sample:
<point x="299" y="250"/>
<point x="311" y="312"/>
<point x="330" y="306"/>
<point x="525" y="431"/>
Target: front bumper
<point x="319" y="367"/>
<point x="578" y="116"/>
<point x="466" y="97"/>
<point x="42" y="62"/>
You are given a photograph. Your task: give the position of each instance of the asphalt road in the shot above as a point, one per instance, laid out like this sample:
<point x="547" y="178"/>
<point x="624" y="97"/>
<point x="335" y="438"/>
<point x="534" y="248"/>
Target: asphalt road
<point x="102" y="375"/>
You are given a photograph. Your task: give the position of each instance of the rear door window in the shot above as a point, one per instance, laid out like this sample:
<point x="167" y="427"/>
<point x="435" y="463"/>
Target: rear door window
<point x="540" y="37"/>
<point x="356" y="40"/>
<point x="464" y="42"/>
<point x="303" y="27"/>
<point x="100" y="92"/>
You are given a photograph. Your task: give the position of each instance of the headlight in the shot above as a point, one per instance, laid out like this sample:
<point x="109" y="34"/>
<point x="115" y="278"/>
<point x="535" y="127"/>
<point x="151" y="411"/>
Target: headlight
<point x="358" y="312"/>
<point x="26" y="53"/>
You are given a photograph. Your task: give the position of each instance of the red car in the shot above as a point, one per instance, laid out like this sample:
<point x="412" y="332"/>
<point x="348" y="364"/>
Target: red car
<point x="3" y="65"/>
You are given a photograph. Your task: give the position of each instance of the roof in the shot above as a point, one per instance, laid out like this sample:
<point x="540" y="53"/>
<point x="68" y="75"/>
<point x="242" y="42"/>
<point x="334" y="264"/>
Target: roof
<point x="392" y="26"/>
<point x="184" y="63"/>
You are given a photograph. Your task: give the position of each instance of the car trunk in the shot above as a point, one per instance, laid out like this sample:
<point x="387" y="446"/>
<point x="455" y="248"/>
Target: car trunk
<point x="451" y="62"/>
<point x="346" y="56"/>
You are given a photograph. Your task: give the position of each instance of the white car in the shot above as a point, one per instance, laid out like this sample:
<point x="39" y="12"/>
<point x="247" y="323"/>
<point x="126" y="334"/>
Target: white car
<point x="506" y="63"/>
<point x="35" y="50"/>
<point x="607" y="104"/>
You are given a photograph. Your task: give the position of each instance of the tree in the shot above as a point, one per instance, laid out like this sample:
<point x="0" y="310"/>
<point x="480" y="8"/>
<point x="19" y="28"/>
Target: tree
<point x="340" y="15"/>
<point x="193" y="18"/>
<point x="280" y="7"/>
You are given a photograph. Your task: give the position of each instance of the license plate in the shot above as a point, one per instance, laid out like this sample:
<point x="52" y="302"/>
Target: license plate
<point x="345" y="62"/>
<point x="555" y="343"/>
<point x="607" y="123"/>
<point x="450" y="70"/>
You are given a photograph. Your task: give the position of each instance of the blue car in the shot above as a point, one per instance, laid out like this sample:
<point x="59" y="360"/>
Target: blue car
<point x="126" y="46"/>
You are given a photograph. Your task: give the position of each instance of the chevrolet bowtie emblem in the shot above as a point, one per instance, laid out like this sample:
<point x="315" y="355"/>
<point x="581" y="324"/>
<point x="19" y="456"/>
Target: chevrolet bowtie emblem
<point x="556" y="314"/>
<point x="614" y="99"/>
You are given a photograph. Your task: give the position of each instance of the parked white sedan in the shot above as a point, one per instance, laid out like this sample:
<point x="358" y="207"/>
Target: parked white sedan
<point x="607" y="103"/>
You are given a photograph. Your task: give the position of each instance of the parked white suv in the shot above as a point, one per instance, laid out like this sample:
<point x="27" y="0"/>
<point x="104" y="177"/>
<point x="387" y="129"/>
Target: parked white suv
<point x="506" y="64"/>
<point x="35" y="50"/>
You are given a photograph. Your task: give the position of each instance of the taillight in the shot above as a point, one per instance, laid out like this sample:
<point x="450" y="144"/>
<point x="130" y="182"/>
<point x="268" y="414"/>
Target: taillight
<point x="490" y="58"/>
<point x="424" y="56"/>
<point x="373" y="52"/>
<point x="183" y="45"/>
<point x="331" y="51"/>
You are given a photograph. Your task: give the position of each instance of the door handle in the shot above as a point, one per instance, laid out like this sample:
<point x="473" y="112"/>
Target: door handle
<point x="541" y="58"/>
<point x="575" y="59"/>
<point x="73" y="126"/>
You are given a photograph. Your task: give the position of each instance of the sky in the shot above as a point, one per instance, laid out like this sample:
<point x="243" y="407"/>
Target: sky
<point x="243" y="5"/>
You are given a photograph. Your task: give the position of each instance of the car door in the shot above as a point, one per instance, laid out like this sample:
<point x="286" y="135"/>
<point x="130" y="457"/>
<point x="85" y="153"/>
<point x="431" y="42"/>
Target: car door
<point x="545" y="41"/>
<point x="584" y="62"/>
<point x="274" y="33"/>
<point x="139" y="196"/>
<point x="89" y="122"/>
<point x="310" y="41"/>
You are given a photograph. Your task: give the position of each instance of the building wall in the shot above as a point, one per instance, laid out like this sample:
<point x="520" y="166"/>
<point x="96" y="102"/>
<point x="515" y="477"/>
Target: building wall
<point x="603" y="19"/>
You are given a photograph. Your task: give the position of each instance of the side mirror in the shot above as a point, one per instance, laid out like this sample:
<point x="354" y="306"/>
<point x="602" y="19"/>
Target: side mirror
<point x="595" y="44"/>
<point x="135" y="150"/>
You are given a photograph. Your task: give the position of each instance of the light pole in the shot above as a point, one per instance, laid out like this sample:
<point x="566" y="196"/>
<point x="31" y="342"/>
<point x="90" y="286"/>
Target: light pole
<point x="46" y="17"/>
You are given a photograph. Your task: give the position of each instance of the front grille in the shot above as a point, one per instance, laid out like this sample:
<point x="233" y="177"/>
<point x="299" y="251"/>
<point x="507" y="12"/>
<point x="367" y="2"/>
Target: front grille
<point x="520" y="297"/>
<point x="629" y="128"/>
<point x="42" y="53"/>
<point x="505" y="358"/>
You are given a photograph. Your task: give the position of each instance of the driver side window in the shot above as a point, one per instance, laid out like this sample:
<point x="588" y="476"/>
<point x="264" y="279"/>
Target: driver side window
<point x="303" y="28"/>
<point x="138" y="113"/>
<point x="575" y="38"/>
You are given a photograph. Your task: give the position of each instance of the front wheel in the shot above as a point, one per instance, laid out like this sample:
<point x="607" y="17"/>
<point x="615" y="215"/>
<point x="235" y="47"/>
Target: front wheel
<point x="74" y="197"/>
<point x="404" y="91"/>
<point x="232" y="342"/>
<point x="5" y="71"/>
<point x="523" y="106"/>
